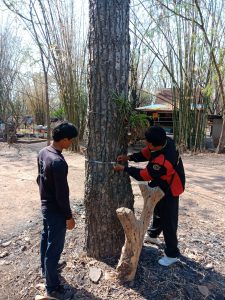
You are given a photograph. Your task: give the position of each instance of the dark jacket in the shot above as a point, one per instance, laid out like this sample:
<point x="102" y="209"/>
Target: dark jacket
<point x="164" y="169"/>
<point x="52" y="181"/>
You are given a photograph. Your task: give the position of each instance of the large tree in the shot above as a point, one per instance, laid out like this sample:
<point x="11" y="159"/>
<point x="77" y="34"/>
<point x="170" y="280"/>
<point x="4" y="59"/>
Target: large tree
<point x="105" y="191"/>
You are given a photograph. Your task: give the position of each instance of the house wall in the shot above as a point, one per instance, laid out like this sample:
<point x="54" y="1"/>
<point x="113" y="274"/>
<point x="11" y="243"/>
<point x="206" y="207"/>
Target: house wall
<point x="216" y="130"/>
<point x="163" y="119"/>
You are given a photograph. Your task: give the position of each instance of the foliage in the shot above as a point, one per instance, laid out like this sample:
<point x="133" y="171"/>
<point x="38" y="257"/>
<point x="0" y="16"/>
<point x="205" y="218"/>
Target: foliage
<point x="186" y="38"/>
<point x="138" y="120"/>
<point x="58" y="32"/>
<point x="130" y="117"/>
<point x="123" y="106"/>
<point x="59" y="113"/>
<point x="174" y="44"/>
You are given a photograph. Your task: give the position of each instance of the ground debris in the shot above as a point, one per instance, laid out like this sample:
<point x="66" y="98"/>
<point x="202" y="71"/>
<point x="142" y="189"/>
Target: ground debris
<point x="95" y="274"/>
<point x="6" y="244"/>
<point x="200" y="273"/>
<point x="4" y="254"/>
<point x="203" y="290"/>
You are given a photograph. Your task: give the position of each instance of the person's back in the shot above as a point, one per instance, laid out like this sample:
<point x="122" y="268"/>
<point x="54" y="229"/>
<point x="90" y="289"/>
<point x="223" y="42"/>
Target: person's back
<point x="169" y="157"/>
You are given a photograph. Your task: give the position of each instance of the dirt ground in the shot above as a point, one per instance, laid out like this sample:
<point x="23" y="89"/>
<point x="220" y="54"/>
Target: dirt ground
<point x="199" y="275"/>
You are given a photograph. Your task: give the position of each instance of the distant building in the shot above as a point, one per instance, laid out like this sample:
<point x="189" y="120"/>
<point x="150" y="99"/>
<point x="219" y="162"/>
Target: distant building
<point x="161" y="112"/>
<point x="215" y="122"/>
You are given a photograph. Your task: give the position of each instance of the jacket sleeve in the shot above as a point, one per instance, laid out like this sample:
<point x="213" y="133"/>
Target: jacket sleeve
<point x="152" y="171"/>
<point x="59" y="170"/>
<point x="143" y="155"/>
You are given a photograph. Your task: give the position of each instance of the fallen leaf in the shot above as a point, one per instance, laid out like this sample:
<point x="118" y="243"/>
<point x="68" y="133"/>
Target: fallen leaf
<point x="111" y="276"/>
<point x="6" y="244"/>
<point x="209" y="266"/>
<point x="92" y="262"/>
<point x="4" y="254"/>
<point x="40" y="297"/>
<point x="40" y="286"/>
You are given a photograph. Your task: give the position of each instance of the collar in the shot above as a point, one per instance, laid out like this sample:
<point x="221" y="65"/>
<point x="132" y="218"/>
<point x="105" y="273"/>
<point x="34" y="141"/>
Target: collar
<point x="159" y="149"/>
<point x="53" y="150"/>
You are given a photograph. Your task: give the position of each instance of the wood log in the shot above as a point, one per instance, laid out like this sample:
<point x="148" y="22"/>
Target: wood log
<point x="134" y="230"/>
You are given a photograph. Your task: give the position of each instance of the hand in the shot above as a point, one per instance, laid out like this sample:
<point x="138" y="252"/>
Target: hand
<point x="70" y="224"/>
<point x="118" y="167"/>
<point x="123" y="158"/>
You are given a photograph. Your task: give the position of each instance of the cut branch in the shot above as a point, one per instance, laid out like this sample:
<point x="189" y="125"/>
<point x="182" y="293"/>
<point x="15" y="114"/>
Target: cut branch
<point x="134" y="231"/>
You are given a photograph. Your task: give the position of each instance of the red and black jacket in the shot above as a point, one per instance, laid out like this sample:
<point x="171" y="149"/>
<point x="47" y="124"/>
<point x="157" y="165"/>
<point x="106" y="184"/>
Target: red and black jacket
<point x="164" y="169"/>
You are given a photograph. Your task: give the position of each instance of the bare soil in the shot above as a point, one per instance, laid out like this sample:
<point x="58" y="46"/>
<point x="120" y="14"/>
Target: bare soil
<point x="200" y="274"/>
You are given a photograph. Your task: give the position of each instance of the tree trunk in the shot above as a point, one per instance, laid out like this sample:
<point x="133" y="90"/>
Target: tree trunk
<point x="48" y="122"/>
<point x="105" y="190"/>
<point x="135" y="230"/>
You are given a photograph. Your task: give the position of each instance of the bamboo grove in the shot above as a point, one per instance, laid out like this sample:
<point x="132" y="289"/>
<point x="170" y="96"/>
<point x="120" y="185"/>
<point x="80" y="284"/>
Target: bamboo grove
<point x="175" y="35"/>
<point x="174" y="44"/>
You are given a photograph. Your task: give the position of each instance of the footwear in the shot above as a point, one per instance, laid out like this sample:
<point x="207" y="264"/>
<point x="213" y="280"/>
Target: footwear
<point x="61" y="294"/>
<point x="167" y="261"/>
<point x="148" y="239"/>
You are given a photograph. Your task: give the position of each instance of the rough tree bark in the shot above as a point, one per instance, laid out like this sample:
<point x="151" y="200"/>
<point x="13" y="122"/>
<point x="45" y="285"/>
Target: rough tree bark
<point x="105" y="190"/>
<point x="134" y="230"/>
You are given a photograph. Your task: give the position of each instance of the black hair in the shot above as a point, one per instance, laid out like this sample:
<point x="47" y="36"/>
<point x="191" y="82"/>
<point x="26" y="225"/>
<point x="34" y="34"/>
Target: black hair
<point x="155" y="135"/>
<point x="64" y="130"/>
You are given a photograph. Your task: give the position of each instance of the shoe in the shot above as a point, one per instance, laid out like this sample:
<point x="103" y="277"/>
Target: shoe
<point x="148" y="239"/>
<point x="167" y="261"/>
<point x="61" y="294"/>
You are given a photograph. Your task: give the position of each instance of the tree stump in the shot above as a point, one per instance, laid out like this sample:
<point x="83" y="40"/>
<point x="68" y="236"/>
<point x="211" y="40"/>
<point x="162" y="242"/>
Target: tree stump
<point x="134" y="230"/>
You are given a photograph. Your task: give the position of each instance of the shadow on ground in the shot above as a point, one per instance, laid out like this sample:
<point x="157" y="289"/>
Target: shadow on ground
<point x="184" y="280"/>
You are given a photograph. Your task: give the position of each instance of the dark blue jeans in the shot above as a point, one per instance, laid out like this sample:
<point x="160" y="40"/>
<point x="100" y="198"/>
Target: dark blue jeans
<point x="52" y="243"/>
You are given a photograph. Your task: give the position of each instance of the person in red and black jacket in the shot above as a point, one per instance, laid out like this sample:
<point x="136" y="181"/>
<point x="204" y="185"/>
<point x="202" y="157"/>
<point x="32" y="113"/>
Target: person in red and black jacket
<point x="164" y="169"/>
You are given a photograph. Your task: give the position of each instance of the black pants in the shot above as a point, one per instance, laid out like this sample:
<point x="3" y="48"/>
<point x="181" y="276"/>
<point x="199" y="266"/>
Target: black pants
<point x="165" y="219"/>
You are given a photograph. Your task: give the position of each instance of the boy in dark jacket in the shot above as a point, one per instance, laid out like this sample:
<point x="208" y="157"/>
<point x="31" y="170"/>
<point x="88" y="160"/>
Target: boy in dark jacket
<point x="164" y="169"/>
<point x="57" y="215"/>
